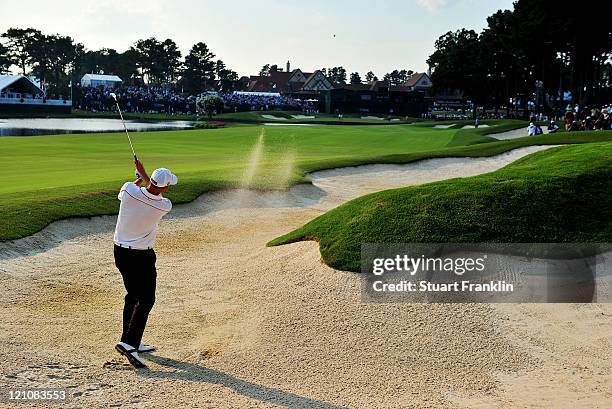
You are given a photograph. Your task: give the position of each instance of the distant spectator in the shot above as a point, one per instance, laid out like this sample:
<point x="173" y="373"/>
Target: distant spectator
<point x="532" y="129"/>
<point x="569" y="120"/>
<point x="553" y="127"/>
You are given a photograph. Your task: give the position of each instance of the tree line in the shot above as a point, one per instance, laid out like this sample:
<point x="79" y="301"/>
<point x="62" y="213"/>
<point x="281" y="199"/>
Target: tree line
<point x="541" y="50"/>
<point x="58" y="61"/>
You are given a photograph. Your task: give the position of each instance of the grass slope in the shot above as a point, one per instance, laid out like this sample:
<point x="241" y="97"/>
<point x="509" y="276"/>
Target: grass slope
<point x="560" y="195"/>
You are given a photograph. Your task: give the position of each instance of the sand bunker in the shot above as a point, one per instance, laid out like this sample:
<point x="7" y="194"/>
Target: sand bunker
<point x="444" y="126"/>
<point x="515" y="133"/>
<point x="273" y="117"/>
<point x="303" y="116"/>
<point x="474" y="126"/>
<point x="239" y="324"/>
<point x="290" y="124"/>
<point x="373" y="117"/>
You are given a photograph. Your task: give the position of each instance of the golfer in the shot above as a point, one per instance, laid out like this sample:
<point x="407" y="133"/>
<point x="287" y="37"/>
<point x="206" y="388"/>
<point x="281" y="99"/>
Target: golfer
<point x="141" y="210"/>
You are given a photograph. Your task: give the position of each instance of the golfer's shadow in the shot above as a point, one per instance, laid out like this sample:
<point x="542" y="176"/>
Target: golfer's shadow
<point x="196" y="373"/>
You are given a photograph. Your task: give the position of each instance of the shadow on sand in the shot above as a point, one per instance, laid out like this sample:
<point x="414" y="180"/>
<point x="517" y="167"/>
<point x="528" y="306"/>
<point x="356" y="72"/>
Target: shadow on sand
<point x="196" y="373"/>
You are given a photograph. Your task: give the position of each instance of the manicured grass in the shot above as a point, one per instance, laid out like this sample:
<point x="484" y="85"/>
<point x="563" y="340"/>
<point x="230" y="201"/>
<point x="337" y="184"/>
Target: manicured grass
<point x="562" y="194"/>
<point x="47" y="178"/>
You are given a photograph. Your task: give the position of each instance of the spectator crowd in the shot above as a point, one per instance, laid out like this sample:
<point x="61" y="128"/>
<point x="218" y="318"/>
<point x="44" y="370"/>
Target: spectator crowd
<point x="163" y="100"/>
<point x="587" y="118"/>
<point x="237" y="101"/>
<point x="151" y="100"/>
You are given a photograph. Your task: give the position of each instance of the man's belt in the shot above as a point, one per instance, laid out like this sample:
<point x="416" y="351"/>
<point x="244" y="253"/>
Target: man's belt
<point x="131" y="248"/>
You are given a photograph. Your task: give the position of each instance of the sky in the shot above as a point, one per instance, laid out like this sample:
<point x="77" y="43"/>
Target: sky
<point x="358" y="35"/>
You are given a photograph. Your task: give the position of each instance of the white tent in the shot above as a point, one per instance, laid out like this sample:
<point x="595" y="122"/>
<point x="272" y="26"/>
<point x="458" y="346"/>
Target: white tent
<point x="97" y="80"/>
<point x="18" y="86"/>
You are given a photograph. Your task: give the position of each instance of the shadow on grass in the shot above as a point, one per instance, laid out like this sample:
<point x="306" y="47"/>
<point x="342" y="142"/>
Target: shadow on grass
<point x="195" y="373"/>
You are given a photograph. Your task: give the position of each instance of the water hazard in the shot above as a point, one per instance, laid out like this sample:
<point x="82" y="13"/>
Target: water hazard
<point x="53" y="126"/>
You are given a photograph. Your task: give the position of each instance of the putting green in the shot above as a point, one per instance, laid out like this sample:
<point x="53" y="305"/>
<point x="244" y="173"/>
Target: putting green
<point x="48" y="178"/>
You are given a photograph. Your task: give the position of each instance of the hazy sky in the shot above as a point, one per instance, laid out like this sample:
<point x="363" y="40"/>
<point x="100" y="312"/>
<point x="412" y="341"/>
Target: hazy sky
<point x="370" y="35"/>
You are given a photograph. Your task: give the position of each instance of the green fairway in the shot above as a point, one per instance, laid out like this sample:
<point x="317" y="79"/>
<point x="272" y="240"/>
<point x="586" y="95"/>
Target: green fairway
<point x="52" y="177"/>
<point x="562" y="194"/>
<point x="48" y="178"/>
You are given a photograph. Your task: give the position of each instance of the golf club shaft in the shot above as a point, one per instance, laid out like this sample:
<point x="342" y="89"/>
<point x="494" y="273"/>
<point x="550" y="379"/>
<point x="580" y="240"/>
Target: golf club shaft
<point x="126" y="130"/>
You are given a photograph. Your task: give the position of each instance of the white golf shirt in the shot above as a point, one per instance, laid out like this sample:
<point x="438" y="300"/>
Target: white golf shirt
<point x="139" y="214"/>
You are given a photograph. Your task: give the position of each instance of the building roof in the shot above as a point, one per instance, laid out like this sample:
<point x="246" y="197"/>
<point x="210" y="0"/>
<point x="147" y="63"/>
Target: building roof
<point x="7" y="80"/>
<point x="415" y="78"/>
<point x="278" y="81"/>
<point x="374" y="86"/>
<point x="101" y="77"/>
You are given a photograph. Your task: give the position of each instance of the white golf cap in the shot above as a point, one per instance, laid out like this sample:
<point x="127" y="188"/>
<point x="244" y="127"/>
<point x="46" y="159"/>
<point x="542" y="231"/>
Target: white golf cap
<point x="162" y="177"/>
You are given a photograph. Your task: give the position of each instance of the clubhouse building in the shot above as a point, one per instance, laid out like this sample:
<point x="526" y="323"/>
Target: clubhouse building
<point x="374" y="97"/>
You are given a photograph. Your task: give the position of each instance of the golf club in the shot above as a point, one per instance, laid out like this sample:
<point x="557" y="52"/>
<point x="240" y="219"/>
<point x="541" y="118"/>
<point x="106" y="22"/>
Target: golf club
<point x="123" y="122"/>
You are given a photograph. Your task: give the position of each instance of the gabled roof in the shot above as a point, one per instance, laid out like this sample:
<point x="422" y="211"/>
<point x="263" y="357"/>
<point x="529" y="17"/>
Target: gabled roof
<point x="323" y="77"/>
<point x="101" y="77"/>
<point x="310" y="76"/>
<point x="416" y="77"/>
<point x="7" y="80"/>
<point x="375" y="86"/>
<point x="279" y="81"/>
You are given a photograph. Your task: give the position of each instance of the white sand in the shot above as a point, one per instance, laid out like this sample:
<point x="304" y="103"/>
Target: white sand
<point x="303" y="116"/>
<point x="515" y="133"/>
<point x="444" y="126"/>
<point x="474" y="126"/>
<point x="273" y="117"/>
<point x="242" y="325"/>
<point x="290" y="124"/>
<point x="373" y="117"/>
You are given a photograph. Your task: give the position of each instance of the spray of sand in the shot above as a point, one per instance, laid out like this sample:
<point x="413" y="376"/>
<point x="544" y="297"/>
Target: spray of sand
<point x="254" y="161"/>
<point x="285" y="172"/>
<point x="281" y="177"/>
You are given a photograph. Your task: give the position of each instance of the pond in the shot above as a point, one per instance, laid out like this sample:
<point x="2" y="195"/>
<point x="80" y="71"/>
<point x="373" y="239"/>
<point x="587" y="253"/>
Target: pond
<point x="52" y="126"/>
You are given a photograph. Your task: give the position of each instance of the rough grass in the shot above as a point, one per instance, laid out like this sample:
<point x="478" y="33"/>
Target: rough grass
<point x="562" y="194"/>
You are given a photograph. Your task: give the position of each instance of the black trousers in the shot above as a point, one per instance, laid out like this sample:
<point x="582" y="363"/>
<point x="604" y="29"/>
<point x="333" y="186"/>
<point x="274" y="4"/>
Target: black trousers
<point x="137" y="268"/>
